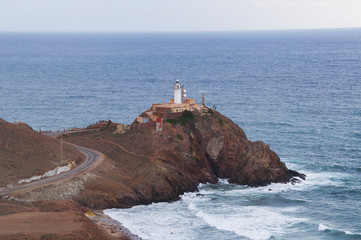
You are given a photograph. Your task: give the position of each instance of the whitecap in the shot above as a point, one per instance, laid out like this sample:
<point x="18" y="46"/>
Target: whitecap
<point x="322" y="227"/>
<point x="251" y="222"/>
<point x="223" y="180"/>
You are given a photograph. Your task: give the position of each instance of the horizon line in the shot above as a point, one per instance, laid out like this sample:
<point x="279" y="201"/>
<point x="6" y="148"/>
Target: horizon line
<point x="182" y="31"/>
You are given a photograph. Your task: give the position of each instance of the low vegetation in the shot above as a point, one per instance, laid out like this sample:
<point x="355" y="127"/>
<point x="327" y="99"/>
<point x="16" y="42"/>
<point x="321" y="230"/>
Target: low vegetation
<point x="180" y="137"/>
<point x="183" y="120"/>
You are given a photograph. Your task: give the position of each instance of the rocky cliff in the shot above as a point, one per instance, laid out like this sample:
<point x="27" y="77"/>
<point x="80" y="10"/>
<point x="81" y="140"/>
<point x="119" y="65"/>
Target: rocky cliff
<point x="147" y="166"/>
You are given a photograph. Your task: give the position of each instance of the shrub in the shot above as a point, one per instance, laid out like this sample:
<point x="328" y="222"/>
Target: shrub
<point x="172" y="121"/>
<point x="186" y="117"/>
<point x="106" y="126"/>
<point x="116" y="135"/>
<point x="180" y="137"/>
<point x="103" y="128"/>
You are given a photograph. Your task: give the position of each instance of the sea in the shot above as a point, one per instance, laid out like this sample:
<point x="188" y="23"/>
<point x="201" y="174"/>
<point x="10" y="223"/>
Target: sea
<point x="298" y="91"/>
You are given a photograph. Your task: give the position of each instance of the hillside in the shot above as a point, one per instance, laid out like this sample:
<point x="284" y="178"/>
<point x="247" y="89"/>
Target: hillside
<point x="151" y="166"/>
<point x="25" y="153"/>
<point x="55" y="220"/>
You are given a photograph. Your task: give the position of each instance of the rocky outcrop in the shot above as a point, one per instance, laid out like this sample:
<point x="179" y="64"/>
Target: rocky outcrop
<point x="194" y="148"/>
<point x="231" y="155"/>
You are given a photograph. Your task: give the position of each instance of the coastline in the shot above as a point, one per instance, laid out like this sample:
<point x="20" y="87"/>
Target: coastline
<point x="113" y="228"/>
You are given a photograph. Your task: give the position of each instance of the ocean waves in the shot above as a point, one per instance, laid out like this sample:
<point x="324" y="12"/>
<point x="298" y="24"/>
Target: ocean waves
<point x="282" y="88"/>
<point x="332" y="232"/>
<point x="229" y="211"/>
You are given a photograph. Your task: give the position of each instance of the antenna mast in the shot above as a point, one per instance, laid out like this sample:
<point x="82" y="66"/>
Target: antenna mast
<point x="203" y="97"/>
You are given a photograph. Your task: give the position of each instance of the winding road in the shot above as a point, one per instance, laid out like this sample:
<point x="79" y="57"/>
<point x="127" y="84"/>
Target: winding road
<point x="93" y="158"/>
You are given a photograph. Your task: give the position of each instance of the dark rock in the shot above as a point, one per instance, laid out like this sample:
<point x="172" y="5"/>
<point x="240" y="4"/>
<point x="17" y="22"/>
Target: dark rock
<point x="293" y="174"/>
<point x="295" y="180"/>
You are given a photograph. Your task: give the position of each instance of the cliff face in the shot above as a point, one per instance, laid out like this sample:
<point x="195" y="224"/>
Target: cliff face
<point x="149" y="166"/>
<point x="25" y="153"/>
<point x="231" y="155"/>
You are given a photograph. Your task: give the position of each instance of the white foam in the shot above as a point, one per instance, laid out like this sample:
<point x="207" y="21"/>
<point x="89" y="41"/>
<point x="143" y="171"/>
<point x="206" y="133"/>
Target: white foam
<point x="252" y="222"/>
<point x="187" y="219"/>
<point x="317" y="178"/>
<point x="223" y="180"/>
<point x="50" y="173"/>
<point x="313" y="180"/>
<point x="322" y="227"/>
<point x="216" y="210"/>
<point x="161" y="221"/>
<point x="191" y="206"/>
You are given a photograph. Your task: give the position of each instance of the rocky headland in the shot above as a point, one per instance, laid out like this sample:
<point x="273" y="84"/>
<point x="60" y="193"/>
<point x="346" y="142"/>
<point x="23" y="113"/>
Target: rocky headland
<point x="196" y="147"/>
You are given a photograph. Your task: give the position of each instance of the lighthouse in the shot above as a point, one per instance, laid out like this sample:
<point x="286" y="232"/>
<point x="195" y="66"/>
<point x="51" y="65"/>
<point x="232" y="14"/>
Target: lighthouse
<point x="163" y="111"/>
<point x="180" y="92"/>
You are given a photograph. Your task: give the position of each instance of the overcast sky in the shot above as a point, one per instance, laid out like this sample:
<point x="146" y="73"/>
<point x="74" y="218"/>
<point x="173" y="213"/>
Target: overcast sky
<point x="176" y="15"/>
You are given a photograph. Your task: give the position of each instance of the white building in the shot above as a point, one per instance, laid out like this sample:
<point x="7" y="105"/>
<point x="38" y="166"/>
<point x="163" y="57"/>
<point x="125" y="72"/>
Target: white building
<point x="180" y="92"/>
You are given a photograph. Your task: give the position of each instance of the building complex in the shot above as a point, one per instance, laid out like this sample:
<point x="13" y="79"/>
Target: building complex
<point x="178" y="104"/>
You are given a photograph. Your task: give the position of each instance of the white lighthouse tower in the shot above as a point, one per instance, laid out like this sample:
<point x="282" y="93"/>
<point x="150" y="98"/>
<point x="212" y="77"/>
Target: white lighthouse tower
<point x="180" y="92"/>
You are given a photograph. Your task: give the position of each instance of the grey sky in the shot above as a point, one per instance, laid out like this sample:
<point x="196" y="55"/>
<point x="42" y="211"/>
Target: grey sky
<point x="176" y="15"/>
